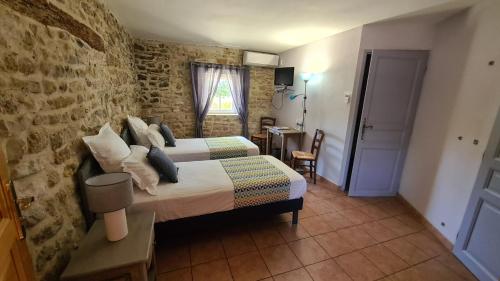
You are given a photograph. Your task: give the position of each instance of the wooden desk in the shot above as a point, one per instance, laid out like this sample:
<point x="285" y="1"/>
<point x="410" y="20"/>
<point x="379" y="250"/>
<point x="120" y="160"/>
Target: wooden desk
<point x="284" y="134"/>
<point x="132" y="258"/>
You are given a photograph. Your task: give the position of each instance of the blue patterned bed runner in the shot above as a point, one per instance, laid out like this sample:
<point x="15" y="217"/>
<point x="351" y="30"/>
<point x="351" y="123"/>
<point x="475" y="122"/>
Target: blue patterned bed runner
<point x="226" y="147"/>
<point x="256" y="181"/>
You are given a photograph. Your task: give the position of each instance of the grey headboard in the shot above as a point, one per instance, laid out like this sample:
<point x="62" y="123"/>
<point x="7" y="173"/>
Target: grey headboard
<point x="89" y="168"/>
<point x="126" y="135"/>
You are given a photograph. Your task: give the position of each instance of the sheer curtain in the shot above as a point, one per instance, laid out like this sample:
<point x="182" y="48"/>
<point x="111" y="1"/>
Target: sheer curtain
<point x="204" y="80"/>
<point x="239" y="84"/>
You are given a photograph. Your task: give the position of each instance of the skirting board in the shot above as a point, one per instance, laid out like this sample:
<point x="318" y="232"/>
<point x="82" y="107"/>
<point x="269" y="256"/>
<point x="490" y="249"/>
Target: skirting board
<point x="427" y="224"/>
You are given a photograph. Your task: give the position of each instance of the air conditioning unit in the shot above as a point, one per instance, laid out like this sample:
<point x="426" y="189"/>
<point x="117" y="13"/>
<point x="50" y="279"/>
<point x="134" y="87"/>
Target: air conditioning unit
<point x="260" y="59"/>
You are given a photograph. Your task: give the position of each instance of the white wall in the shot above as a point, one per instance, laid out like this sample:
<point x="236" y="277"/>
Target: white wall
<point x="398" y="35"/>
<point x="460" y="97"/>
<point x="334" y="61"/>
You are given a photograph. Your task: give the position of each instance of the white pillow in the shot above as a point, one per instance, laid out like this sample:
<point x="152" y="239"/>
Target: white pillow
<point x="138" y="130"/>
<point x="154" y="136"/>
<point x="108" y="149"/>
<point x="143" y="174"/>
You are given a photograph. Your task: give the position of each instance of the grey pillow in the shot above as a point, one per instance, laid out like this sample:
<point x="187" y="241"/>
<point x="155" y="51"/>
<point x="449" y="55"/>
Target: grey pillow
<point x="167" y="135"/>
<point x="162" y="164"/>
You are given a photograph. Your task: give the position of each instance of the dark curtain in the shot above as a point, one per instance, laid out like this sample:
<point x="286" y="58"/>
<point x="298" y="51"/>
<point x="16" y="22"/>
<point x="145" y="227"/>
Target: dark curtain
<point x="204" y="80"/>
<point x="239" y="83"/>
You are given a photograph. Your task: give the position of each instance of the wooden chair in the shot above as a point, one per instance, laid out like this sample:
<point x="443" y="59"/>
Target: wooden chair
<point x="311" y="157"/>
<point x="261" y="138"/>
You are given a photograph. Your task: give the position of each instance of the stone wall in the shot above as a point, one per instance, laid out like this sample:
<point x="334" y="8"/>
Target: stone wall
<point x="55" y="89"/>
<point x="164" y="77"/>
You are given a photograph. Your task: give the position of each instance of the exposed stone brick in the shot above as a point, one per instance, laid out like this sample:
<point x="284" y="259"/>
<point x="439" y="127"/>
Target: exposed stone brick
<point x="36" y="215"/>
<point x="81" y="92"/>
<point x="53" y="178"/>
<point x="26" y="66"/>
<point x="27" y="86"/>
<point x="62" y="155"/>
<point x="26" y="168"/>
<point x="49" y="87"/>
<point x="10" y="62"/>
<point x="37" y="141"/>
<point x="163" y="74"/>
<point x="60" y="102"/>
<point x="5" y="128"/>
<point x="16" y="148"/>
<point x="48" y="231"/>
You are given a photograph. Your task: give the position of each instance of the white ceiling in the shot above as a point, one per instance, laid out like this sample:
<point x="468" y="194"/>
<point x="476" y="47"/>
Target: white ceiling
<point x="262" y="25"/>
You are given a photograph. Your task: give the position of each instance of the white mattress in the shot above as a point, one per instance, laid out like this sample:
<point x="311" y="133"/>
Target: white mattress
<point x="196" y="149"/>
<point x="203" y="188"/>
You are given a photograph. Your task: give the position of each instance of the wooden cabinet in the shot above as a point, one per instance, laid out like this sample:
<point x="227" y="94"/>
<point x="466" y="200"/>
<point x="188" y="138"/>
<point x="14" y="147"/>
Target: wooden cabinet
<point x="130" y="259"/>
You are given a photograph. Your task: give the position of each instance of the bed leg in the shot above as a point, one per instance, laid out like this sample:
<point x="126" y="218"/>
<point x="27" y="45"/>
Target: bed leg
<point x="295" y="217"/>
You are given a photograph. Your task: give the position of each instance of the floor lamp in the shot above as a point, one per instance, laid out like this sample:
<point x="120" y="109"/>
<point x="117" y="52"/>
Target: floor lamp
<point x="305" y="77"/>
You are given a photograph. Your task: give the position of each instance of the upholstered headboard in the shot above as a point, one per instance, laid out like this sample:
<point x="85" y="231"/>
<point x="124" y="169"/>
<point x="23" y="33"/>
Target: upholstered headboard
<point x="89" y="168"/>
<point x="127" y="136"/>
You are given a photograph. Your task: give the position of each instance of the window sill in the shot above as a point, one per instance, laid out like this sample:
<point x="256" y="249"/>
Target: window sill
<point x="223" y="114"/>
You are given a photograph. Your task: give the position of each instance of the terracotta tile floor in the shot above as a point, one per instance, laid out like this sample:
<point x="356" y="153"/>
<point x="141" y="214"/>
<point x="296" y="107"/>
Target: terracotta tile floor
<point x="337" y="238"/>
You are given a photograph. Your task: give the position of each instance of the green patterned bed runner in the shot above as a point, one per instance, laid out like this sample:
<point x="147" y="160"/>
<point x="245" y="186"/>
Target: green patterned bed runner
<point x="226" y="147"/>
<point x="256" y="181"/>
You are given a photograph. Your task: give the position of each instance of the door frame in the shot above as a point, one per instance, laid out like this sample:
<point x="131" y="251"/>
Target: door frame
<point x="353" y="113"/>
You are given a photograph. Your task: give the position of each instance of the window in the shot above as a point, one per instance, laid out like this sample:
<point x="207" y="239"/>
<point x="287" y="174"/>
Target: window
<point x="222" y="102"/>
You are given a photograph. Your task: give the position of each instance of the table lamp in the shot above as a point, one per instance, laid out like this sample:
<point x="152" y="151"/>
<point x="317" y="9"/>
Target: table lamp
<point x="110" y="194"/>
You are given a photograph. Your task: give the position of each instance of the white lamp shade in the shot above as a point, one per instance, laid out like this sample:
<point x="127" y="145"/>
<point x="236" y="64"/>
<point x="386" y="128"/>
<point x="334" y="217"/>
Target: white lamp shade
<point x="306" y="76"/>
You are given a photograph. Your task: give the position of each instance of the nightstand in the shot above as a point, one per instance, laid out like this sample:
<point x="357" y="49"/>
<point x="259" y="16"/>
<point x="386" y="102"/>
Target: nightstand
<point x="131" y="258"/>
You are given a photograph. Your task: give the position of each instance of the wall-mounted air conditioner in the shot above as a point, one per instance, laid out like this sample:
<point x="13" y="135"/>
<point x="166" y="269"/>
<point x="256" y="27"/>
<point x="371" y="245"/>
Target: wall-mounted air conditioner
<point x="260" y="59"/>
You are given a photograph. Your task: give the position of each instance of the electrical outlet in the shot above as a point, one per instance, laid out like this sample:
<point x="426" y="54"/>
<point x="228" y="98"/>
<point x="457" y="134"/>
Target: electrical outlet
<point x="347" y="97"/>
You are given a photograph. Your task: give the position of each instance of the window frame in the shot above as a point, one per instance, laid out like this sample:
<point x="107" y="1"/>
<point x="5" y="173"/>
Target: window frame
<point x="233" y="110"/>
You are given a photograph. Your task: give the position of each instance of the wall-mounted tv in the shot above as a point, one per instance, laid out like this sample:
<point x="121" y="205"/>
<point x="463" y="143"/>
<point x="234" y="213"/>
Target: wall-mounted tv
<point x="283" y="76"/>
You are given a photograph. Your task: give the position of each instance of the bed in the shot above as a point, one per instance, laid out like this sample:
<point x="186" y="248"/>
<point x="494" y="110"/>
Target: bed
<point x="209" y="189"/>
<point x="199" y="149"/>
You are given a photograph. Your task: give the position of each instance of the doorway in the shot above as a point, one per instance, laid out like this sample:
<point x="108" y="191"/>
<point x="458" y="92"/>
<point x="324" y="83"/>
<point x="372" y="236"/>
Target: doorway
<point x="359" y="105"/>
<point x="386" y="108"/>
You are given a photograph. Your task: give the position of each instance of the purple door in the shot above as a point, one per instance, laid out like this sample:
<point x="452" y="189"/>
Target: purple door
<point x="391" y="97"/>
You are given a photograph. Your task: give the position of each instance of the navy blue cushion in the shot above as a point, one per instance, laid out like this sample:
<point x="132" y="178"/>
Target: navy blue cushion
<point x="167" y="135"/>
<point x="162" y="164"/>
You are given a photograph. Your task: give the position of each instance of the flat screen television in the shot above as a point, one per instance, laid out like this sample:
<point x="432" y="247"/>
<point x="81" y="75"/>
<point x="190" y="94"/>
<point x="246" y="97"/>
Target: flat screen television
<point x="283" y="76"/>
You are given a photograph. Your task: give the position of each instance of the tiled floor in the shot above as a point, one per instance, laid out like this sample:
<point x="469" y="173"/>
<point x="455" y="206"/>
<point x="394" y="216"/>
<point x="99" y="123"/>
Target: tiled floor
<point x="337" y="238"/>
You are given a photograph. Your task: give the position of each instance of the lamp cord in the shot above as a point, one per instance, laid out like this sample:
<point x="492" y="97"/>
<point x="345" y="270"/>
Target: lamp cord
<point x="272" y="101"/>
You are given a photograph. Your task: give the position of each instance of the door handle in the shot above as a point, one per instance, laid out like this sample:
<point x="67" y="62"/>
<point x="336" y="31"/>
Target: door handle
<point x="25" y="202"/>
<point x="364" y="126"/>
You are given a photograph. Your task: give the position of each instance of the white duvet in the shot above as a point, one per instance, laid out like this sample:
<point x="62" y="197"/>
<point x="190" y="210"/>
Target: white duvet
<point x="203" y="188"/>
<point x="197" y="149"/>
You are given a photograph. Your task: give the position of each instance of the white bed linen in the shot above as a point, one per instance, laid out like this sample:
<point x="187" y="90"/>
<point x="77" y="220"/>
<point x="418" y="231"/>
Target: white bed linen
<point x="203" y="188"/>
<point x="197" y="149"/>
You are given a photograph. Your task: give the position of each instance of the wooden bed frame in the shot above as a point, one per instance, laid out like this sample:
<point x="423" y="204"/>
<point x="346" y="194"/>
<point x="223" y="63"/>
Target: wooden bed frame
<point x="90" y="167"/>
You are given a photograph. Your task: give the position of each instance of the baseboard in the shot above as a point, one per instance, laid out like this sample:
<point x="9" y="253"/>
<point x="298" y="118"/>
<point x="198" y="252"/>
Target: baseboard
<point x="432" y="229"/>
<point x="324" y="180"/>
